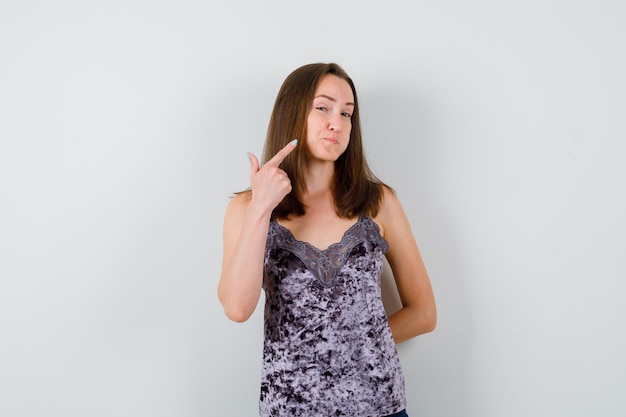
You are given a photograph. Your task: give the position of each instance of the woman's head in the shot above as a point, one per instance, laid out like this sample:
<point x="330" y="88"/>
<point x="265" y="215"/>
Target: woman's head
<point x="293" y="104"/>
<point x="329" y="122"/>
<point x="292" y="107"/>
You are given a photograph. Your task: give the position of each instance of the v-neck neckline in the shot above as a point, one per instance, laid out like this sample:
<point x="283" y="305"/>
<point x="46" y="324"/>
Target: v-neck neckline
<point x="325" y="264"/>
<point x="329" y="247"/>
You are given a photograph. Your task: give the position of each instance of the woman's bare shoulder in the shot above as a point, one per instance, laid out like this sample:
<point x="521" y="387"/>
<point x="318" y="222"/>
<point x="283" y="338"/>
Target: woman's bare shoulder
<point x="390" y="203"/>
<point x="389" y="207"/>
<point x="238" y="204"/>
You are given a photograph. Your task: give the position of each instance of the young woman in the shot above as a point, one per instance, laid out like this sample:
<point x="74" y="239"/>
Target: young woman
<point x="311" y="232"/>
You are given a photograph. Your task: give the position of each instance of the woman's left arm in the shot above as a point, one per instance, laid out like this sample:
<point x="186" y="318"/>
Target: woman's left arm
<point x="418" y="314"/>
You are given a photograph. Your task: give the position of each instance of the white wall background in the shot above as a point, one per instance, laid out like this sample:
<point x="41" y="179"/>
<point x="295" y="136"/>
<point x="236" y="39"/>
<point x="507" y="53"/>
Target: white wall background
<point x="124" y="127"/>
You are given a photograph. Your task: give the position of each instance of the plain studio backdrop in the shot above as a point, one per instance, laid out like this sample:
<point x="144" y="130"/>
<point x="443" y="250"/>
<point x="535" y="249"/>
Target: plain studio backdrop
<point x="123" y="132"/>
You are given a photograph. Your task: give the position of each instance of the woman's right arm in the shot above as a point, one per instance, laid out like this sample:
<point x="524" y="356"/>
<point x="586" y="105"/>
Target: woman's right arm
<point x="246" y="225"/>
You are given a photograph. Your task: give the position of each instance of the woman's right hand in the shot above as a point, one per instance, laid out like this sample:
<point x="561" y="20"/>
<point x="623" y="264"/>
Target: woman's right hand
<point x="245" y="233"/>
<point x="269" y="183"/>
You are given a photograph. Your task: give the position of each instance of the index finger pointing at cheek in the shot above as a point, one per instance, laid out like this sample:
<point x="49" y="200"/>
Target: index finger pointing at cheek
<point x="282" y="154"/>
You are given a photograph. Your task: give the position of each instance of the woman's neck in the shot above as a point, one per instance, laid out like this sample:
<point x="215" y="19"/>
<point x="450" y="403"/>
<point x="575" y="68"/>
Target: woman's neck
<point x="318" y="178"/>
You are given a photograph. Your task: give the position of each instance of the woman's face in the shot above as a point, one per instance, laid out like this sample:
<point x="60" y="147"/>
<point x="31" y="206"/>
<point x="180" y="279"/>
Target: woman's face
<point x="330" y="119"/>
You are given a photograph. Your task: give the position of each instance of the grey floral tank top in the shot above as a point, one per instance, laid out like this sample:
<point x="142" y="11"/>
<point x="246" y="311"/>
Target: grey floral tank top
<point x="328" y="349"/>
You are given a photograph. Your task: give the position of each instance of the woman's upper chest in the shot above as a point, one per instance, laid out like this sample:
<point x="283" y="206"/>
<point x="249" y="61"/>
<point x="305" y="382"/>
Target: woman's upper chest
<point x="318" y="230"/>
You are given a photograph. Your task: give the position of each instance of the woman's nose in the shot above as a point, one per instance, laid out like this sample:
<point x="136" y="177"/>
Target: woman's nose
<point x="334" y="123"/>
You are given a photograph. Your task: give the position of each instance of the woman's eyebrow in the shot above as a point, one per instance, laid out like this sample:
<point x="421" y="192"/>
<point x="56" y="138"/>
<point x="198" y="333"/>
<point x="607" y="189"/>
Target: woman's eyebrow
<point x="332" y="99"/>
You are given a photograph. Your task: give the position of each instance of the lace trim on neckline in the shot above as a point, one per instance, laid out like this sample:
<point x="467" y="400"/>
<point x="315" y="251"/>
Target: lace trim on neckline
<point x="326" y="263"/>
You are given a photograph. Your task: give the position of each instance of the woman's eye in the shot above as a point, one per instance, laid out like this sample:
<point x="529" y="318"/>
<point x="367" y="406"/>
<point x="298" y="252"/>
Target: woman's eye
<point x="322" y="108"/>
<point x="346" y="114"/>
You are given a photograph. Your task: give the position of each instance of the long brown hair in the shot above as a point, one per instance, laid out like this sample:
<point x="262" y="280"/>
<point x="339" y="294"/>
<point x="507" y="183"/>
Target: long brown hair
<point x="356" y="190"/>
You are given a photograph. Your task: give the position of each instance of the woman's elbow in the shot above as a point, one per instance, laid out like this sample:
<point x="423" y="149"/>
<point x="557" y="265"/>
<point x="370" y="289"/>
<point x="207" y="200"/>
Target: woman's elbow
<point x="237" y="315"/>
<point x="430" y="322"/>
<point x="425" y="322"/>
<point x="234" y="310"/>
